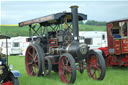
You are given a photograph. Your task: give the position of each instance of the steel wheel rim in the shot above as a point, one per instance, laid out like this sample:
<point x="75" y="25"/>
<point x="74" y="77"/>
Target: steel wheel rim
<point x="65" y="69"/>
<point x="31" y="61"/>
<point x="94" y="68"/>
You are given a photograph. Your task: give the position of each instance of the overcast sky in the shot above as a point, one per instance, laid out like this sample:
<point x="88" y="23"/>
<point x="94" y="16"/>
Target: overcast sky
<point x="13" y="12"/>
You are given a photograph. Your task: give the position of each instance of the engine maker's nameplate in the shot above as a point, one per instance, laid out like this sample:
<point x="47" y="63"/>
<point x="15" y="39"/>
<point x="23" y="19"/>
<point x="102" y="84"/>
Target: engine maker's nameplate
<point x="83" y="48"/>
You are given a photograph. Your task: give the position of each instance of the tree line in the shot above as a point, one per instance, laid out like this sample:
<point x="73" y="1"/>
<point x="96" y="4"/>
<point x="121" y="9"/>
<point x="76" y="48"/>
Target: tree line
<point x="94" y="23"/>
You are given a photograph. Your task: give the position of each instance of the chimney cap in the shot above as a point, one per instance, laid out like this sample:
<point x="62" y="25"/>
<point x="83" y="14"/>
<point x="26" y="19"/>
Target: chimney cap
<point x="74" y="6"/>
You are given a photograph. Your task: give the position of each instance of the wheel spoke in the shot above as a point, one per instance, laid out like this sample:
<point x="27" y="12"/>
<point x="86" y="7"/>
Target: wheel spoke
<point x="30" y="58"/>
<point x="90" y="73"/>
<point x="29" y="63"/>
<point x="30" y="55"/>
<point x="68" y="69"/>
<point x="67" y="61"/>
<point x="98" y="66"/>
<point x="66" y="75"/>
<point x="63" y="64"/>
<point x="33" y="50"/>
<point x="36" y="61"/>
<point x="35" y="69"/>
<point x="33" y="53"/>
<point x="99" y="71"/>
<point x="94" y="74"/>
<point x="35" y="58"/>
<point x="32" y="72"/>
<point x="35" y="65"/>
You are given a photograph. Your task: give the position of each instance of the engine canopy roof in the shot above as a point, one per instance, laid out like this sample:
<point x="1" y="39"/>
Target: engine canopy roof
<point x="55" y="19"/>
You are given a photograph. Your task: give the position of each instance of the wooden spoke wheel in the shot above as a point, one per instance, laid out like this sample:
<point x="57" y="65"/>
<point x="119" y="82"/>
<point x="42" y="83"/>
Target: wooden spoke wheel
<point x="96" y="67"/>
<point x="67" y="68"/>
<point x="34" y="60"/>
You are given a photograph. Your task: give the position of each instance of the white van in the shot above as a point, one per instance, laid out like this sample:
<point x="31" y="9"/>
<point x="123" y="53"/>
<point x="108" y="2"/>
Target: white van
<point x="95" y="39"/>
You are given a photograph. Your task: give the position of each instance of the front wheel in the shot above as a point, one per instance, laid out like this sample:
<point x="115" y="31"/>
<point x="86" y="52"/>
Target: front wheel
<point x="67" y="68"/>
<point x="96" y="67"/>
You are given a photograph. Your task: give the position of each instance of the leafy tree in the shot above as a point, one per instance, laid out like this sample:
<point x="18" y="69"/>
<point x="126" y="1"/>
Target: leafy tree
<point x="97" y="23"/>
<point x="81" y="22"/>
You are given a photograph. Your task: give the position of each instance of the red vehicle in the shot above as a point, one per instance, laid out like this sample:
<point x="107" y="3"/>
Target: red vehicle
<point x="117" y="51"/>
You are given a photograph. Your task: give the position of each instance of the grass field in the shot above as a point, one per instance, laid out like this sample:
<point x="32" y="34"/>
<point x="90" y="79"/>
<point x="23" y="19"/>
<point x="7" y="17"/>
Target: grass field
<point x="14" y="30"/>
<point x="114" y="76"/>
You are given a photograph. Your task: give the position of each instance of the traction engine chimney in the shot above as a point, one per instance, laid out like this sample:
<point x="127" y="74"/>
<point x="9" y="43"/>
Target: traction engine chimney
<point x="74" y="10"/>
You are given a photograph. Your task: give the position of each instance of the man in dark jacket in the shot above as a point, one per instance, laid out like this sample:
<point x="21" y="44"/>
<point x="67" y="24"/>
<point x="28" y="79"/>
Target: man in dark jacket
<point x="125" y="29"/>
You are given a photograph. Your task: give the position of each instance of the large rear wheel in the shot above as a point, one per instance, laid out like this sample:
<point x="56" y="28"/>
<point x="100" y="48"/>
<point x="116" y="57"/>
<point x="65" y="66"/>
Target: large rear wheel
<point x="67" y="68"/>
<point x="34" y="60"/>
<point x="96" y="67"/>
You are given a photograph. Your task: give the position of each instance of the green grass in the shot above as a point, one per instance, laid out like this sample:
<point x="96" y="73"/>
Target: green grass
<point x="13" y="30"/>
<point x="91" y="28"/>
<point x="114" y="76"/>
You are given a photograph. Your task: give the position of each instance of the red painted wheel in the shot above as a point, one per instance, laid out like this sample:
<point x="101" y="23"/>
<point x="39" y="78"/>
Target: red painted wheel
<point x="96" y="67"/>
<point x="67" y="68"/>
<point x="33" y="60"/>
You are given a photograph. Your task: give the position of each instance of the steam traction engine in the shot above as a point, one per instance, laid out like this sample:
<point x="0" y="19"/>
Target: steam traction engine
<point x="116" y="54"/>
<point x="55" y="46"/>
